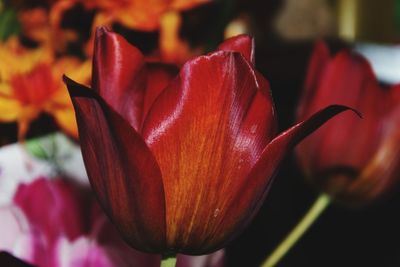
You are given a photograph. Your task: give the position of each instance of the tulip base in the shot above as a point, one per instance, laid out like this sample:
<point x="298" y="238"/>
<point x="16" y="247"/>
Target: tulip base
<point x="168" y="262"/>
<point x="320" y="204"/>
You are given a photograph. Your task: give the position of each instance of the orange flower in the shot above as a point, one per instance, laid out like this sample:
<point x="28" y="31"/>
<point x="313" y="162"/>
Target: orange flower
<point x="30" y="83"/>
<point x="172" y="48"/>
<point x="40" y="26"/>
<point x="149" y="15"/>
<point x="142" y="15"/>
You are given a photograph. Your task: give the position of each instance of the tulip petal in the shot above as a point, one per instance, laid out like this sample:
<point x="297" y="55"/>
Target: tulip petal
<point x="253" y="190"/>
<point x="126" y="177"/>
<point x="206" y="131"/>
<point x="319" y="60"/>
<point x="243" y="44"/>
<point x="118" y="75"/>
<point x="380" y="174"/>
<point x="347" y="80"/>
<point x="158" y="77"/>
<point x="124" y="80"/>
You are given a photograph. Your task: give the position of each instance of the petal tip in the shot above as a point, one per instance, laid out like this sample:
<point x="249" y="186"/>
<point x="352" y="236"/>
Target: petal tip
<point x="341" y="108"/>
<point x="304" y="128"/>
<point x="320" y="46"/>
<point x="76" y="89"/>
<point x="242" y="43"/>
<point x="66" y="79"/>
<point x="102" y="30"/>
<point x="319" y="118"/>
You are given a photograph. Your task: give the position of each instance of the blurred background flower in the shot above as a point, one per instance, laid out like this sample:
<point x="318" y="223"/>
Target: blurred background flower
<point x="55" y="222"/>
<point x="353" y="160"/>
<point x="30" y="85"/>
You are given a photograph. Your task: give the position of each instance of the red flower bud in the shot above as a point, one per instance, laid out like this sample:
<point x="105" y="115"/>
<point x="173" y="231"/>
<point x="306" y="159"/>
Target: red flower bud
<point x="353" y="160"/>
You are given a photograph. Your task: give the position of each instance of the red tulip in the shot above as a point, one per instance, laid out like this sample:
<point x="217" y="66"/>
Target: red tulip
<point x="181" y="164"/>
<point x="353" y="160"/>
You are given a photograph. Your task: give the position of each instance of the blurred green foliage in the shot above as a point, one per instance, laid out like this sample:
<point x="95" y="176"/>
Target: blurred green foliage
<point x="9" y="24"/>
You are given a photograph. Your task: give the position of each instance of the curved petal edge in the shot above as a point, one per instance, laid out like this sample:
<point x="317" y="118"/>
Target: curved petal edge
<point x="126" y="179"/>
<point x="263" y="172"/>
<point x="244" y="44"/>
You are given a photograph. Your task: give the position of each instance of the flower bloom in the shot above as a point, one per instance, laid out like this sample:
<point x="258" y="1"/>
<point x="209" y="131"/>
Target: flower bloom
<point x="39" y="25"/>
<point x="30" y="84"/>
<point x="181" y="163"/>
<point x="134" y="14"/>
<point x="57" y="223"/>
<point x="140" y="15"/>
<point x="353" y="160"/>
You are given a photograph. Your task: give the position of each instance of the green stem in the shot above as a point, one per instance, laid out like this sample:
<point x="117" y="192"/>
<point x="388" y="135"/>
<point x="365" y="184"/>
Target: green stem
<point x="168" y="262"/>
<point x="309" y="218"/>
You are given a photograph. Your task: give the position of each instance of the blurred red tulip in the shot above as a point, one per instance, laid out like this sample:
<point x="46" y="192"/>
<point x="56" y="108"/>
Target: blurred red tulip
<point x="181" y="165"/>
<point x="353" y="160"/>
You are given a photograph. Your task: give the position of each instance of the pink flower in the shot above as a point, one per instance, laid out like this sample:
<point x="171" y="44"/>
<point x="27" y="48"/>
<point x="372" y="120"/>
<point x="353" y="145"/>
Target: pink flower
<point x="58" y="223"/>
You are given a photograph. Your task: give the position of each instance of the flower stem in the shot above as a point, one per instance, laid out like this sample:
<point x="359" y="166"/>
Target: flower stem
<point x="309" y="218"/>
<point x="168" y="262"/>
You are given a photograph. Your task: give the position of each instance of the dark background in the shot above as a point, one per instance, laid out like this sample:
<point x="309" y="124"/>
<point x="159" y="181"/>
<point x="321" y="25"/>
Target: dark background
<point x="368" y="236"/>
